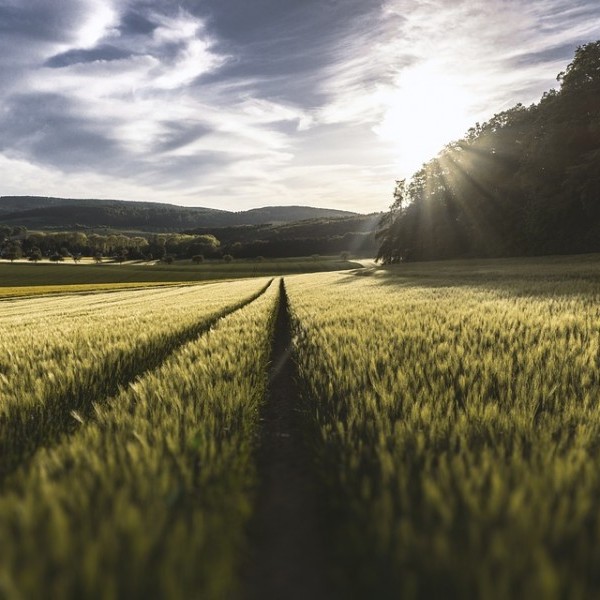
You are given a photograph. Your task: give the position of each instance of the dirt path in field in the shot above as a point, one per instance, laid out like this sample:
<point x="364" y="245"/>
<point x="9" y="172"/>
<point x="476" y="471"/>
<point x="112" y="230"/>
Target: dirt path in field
<point x="287" y="558"/>
<point x="21" y="437"/>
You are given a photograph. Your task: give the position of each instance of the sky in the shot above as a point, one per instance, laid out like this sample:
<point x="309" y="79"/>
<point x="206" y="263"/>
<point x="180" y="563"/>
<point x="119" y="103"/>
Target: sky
<point x="236" y="104"/>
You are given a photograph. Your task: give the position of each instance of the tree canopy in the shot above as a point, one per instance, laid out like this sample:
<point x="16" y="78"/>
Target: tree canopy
<point x="525" y="182"/>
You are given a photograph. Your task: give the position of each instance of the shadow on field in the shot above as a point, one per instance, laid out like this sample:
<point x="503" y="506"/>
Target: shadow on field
<point x="287" y="552"/>
<point x="543" y="277"/>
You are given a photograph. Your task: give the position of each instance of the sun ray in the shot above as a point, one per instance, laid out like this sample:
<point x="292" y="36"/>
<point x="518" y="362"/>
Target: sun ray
<point x="427" y="108"/>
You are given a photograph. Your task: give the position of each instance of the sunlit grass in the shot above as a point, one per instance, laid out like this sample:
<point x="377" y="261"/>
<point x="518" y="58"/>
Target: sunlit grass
<point x="84" y="288"/>
<point x="150" y="496"/>
<point x="451" y="411"/>
<point x="62" y="354"/>
<point x="456" y="428"/>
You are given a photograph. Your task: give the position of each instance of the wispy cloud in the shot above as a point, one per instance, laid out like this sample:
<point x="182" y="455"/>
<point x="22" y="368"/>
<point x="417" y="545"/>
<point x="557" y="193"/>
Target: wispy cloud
<point x="433" y="67"/>
<point x="235" y="104"/>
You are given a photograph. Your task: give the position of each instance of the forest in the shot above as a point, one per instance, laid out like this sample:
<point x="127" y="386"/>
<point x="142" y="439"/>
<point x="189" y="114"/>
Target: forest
<point x="59" y="228"/>
<point x="526" y="182"/>
<point x="326" y="236"/>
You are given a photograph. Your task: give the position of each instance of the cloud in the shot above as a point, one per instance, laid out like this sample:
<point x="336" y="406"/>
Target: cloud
<point x="423" y="72"/>
<point x="104" y="52"/>
<point x="47" y="129"/>
<point x="98" y="108"/>
<point x="136" y="23"/>
<point x="130" y="105"/>
<point x="231" y="103"/>
<point x="177" y="135"/>
<point x="41" y="22"/>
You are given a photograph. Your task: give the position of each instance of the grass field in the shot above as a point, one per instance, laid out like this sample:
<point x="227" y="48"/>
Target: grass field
<point x="419" y="431"/>
<point x="27" y="279"/>
<point x="456" y="423"/>
<point x="149" y="493"/>
<point x="28" y="291"/>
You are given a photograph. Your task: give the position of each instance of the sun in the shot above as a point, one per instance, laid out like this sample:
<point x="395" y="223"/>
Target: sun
<point x="427" y="109"/>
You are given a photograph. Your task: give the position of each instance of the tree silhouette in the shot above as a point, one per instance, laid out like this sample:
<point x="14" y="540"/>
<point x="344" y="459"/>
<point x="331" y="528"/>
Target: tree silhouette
<point x="525" y="182"/>
<point x="35" y="254"/>
<point x="13" y="251"/>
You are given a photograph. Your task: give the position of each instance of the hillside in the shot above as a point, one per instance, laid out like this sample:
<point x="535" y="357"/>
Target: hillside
<point x="315" y="228"/>
<point x="36" y="212"/>
<point x="326" y="236"/>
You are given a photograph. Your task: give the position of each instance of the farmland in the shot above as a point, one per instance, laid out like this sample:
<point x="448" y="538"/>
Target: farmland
<point x="152" y="481"/>
<point x="456" y="425"/>
<point x="417" y="431"/>
<point x="25" y="278"/>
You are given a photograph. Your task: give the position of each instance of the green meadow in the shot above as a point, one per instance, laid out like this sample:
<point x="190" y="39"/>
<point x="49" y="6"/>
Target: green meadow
<point x="25" y="279"/>
<point x="446" y="415"/>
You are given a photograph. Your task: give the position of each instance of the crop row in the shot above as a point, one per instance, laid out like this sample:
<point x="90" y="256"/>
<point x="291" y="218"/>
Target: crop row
<point x="150" y="495"/>
<point x="456" y="428"/>
<point x="60" y="355"/>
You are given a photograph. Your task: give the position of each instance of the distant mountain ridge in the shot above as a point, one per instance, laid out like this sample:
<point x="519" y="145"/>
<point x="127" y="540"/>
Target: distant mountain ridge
<point x="38" y="212"/>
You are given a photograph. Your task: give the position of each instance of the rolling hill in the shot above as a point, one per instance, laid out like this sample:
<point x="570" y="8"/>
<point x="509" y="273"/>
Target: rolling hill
<point x="35" y="212"/>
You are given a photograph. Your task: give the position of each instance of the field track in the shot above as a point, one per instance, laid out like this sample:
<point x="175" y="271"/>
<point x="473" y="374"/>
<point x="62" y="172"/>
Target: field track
<point x="66" y="410"/>
<point x="418" y="432"/>
<point x="286" y="559"/>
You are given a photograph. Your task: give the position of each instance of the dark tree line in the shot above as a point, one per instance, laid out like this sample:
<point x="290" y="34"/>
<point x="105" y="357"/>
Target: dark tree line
<point x="526" y="182"/>
<point x="353" y="243"/>
<point x="326" y="236"/>
<point x="18" y="242"/>
<point x="245" y="242"/>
